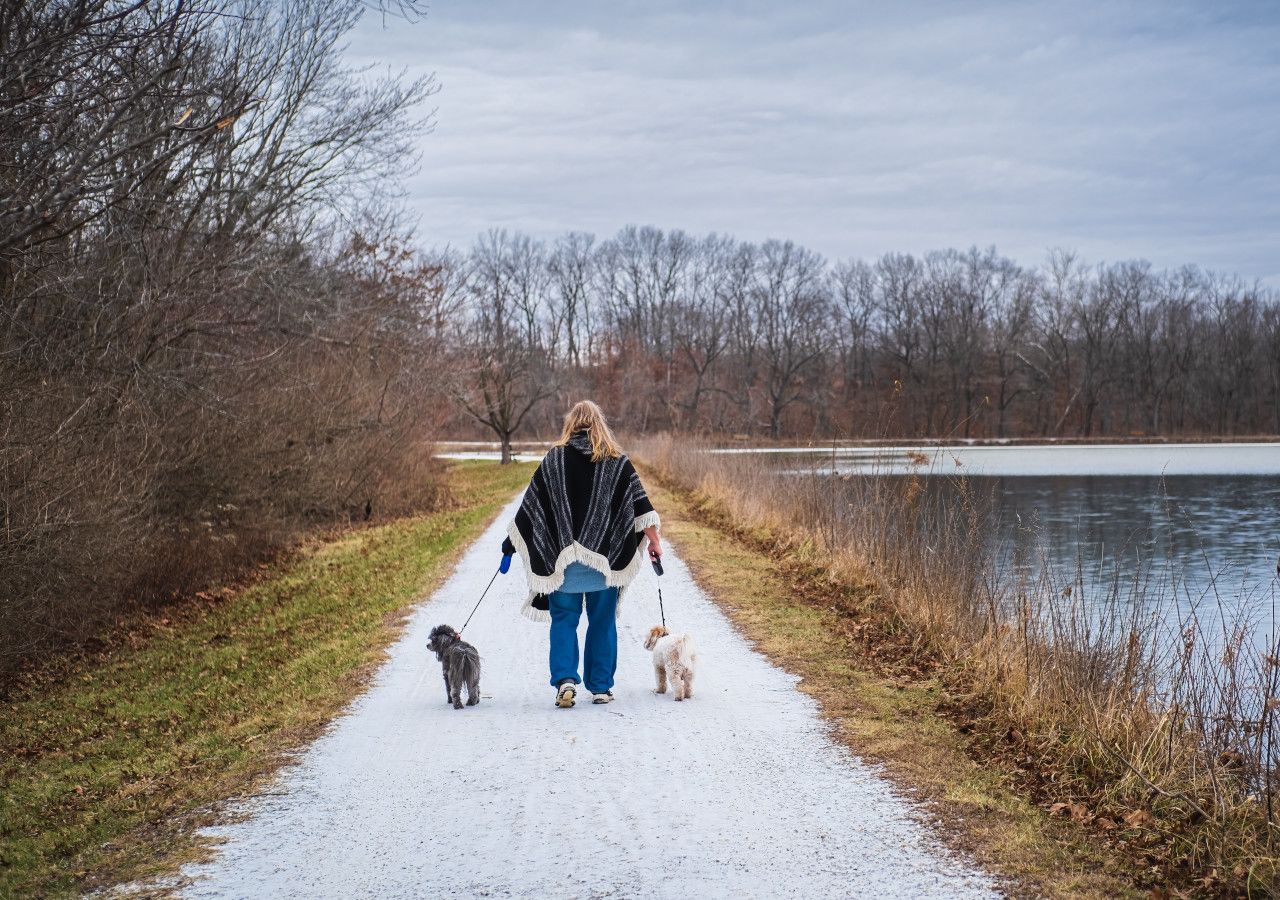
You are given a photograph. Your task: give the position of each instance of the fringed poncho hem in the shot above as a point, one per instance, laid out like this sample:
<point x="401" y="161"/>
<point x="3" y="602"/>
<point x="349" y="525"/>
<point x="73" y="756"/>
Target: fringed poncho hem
<point x="575" y="552"/>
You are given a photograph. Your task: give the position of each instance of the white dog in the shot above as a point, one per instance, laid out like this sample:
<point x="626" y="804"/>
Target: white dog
<point x="674" y="657"/>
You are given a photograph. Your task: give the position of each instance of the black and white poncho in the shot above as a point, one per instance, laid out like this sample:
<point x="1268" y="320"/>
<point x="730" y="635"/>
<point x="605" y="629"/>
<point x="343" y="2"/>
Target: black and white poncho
<point x="576" y="510"/>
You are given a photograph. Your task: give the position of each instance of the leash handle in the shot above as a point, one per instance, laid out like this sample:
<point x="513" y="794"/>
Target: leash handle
<point x="478" y="602"/>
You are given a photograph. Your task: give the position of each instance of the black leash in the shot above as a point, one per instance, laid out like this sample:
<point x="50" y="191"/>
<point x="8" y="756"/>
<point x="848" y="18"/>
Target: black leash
<point x="657" y="570"/>
<point x="478" y="602"/>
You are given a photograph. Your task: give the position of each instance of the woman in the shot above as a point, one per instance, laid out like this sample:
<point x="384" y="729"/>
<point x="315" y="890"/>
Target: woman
<point x="579" y="531"/>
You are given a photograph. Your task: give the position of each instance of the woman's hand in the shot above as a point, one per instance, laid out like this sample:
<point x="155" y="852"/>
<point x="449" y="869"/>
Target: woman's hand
<point x="655" y="543"/>
<point x="508" y="550"/>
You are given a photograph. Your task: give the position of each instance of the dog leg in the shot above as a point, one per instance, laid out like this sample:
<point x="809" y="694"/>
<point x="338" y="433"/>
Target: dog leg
<point x="661" y="674"/>
<point x="455" y="685"/>
<point x="473" y="690"/>
<point x="448" y="692"/>
<point x="677" y="676"/>
<point x="688" y="684"/>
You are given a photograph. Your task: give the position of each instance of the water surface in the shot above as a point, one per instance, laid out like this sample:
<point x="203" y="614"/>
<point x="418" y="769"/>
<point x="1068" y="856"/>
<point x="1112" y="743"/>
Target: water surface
<point x="1262" y="459"/>
<point x="1192" y="528"/>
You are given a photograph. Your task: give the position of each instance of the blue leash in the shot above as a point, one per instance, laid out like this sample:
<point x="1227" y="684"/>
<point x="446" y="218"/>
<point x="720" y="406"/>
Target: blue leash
<point x="478" y="602"/>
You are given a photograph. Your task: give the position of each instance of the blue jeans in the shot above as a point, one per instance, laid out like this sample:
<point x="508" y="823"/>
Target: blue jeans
<point x="600" y="654"/>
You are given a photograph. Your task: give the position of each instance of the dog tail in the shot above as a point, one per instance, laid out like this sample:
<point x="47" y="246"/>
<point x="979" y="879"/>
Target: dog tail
<point x="472" y="663"/>
<point x="686" y="654"/>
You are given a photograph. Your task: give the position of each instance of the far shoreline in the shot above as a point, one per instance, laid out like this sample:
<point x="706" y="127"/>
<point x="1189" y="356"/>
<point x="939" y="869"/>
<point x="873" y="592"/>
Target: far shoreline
<point x="748" y="442"/>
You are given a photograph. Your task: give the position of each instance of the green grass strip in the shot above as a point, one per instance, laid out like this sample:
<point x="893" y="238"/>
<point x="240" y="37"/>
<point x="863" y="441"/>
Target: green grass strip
<point x="109" y="761"/>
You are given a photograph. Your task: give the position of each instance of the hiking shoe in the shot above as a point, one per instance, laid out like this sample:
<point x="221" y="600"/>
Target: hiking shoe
<point x="565" y="695"/>
<point x="606" y="697"/>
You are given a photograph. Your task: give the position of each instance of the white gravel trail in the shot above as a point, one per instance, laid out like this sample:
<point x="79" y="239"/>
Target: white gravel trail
<point x="737" y="793"/>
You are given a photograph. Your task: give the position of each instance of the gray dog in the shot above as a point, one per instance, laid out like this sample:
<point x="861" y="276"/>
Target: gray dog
<point x="461" y="664"/>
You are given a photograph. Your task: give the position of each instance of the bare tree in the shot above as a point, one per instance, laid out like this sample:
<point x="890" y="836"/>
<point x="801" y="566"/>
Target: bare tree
<point x="1271" y="354"/>
<point x="899" y="329"/>
<point x="854" y="303"/>
<point x="791" y="308"/>
<point x="1012" y="321"/>
<point x="507" y="368"/>
<point x="198" y="359"/>
<point x="1234" y="323"/>
<point x="572" y="301"/>
<point x="700" y="320"/>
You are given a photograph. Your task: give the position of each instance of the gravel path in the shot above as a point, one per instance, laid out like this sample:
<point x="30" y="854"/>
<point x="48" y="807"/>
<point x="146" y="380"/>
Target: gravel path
<point x="737" y="793"/>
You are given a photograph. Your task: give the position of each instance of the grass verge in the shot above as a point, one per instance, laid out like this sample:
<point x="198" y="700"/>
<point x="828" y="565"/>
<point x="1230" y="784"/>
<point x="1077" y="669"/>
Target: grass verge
<point x="886" y="710"/>
<point x="109" y="761"/>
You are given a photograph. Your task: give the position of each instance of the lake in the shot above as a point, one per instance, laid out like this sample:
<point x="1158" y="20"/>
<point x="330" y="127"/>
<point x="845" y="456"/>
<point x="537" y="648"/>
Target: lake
<point x="1196" y="523"/>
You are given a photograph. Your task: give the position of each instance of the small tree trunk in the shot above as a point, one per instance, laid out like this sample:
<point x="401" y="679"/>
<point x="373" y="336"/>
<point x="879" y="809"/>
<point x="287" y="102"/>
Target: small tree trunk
<point x="506" y="447"/>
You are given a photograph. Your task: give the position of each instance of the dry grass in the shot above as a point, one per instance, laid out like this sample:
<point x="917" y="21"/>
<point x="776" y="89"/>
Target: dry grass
<point x="795" y="614"/>
<point x="1157" y="753"/>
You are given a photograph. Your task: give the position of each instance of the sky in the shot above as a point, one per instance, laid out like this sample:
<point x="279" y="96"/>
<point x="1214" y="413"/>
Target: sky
<point x="1116" y="129"/>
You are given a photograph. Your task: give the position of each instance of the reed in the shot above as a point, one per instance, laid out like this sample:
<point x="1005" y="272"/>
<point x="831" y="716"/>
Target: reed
<point x="1143" y="713"/>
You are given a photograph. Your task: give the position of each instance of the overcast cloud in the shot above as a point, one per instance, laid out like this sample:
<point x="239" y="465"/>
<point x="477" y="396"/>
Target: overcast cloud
<point x="1118" y="129"/>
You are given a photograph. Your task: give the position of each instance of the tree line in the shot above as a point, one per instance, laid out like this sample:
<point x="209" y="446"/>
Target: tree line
<point x="713" y="334"/>
<point x="212" y="334"/>
<point x="216" y="331"/>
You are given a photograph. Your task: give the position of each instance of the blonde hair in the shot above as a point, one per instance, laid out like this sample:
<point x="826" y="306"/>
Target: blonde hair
<point x="586" y="416"/>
